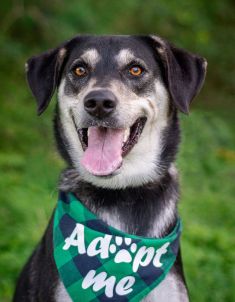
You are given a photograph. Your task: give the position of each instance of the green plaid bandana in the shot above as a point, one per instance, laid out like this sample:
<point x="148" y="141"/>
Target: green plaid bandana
<point x="97" y="262"/>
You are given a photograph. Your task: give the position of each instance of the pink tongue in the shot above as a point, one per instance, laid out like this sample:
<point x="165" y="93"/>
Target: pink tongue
<point x="104" y="152"/>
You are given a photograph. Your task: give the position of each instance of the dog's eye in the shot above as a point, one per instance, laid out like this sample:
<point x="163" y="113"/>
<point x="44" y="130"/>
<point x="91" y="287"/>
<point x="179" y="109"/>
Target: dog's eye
<point x="80" y="71"/>
<point x="136" y="71"/>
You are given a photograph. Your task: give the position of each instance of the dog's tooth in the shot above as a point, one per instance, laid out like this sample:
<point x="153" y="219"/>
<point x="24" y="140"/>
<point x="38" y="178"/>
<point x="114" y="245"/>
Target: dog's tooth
<point x="88" y="132"/>
<point x="126" y="135"/>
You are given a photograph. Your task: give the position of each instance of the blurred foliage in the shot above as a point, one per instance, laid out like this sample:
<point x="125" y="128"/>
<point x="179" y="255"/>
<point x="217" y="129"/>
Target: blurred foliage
<point x="30" y="167"/>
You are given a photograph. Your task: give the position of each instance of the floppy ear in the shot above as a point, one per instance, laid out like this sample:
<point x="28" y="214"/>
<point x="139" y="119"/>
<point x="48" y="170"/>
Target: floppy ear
<point x="43" y="74"/>
<point x="184" y="72"/>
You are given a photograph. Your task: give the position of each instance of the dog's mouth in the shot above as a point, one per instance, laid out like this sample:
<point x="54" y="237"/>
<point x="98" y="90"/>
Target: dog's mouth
<point x="104" y="148"/>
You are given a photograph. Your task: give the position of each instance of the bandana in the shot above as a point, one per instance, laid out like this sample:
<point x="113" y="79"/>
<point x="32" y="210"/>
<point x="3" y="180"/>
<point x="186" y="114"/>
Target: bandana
<point x="97" y="262"/>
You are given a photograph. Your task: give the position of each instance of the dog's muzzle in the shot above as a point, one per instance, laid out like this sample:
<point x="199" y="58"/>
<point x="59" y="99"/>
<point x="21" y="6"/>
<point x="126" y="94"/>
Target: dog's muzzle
<point x="104" y="146"/>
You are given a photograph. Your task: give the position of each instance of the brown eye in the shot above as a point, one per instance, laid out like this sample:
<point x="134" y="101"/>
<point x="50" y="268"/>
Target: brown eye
<point x="136" y="71"/>
<point x="80" y="71"/>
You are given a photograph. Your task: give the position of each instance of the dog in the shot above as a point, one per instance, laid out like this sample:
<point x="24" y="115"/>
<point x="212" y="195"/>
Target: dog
<point x="116" y="125"/>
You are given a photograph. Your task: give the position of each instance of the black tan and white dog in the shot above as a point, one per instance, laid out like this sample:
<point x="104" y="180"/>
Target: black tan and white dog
<point x="116" y="125"/>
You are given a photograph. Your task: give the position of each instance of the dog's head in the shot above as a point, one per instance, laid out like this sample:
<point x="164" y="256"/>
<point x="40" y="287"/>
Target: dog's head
<point x="116" y="96"/>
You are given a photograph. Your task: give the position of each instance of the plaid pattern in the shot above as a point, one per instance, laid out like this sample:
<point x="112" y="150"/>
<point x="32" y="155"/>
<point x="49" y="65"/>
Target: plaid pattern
<point x="74" y="266"/>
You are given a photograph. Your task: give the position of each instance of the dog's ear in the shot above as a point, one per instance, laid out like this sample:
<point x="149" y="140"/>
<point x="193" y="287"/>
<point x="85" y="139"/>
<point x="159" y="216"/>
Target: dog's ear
<point x="184" y="72"/>
<point x="43" y="74"/>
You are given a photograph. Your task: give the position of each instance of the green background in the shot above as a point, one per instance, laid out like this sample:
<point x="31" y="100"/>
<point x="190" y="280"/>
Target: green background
<point x="29" y="164"/>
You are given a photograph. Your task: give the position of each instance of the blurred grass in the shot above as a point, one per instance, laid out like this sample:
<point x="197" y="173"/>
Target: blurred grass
<point x="29" y="165"/>
<point x="207" y="163"/>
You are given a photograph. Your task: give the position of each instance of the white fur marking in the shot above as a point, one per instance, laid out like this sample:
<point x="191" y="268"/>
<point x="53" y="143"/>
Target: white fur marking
<point x="61" y="294"/>
<point x="173" y="171"/>
<point x="62" y="52"/>
<point x="91" y="56"/>
<point x="164" y="220"/>
<point x="124" y="57"/>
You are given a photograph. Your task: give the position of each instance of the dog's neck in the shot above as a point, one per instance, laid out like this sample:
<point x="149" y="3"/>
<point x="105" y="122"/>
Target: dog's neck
<point x="150" y="210"/>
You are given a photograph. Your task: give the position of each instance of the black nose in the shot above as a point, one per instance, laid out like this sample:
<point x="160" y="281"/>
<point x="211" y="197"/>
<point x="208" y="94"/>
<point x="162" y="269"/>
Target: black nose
<point x="100" y="103"/>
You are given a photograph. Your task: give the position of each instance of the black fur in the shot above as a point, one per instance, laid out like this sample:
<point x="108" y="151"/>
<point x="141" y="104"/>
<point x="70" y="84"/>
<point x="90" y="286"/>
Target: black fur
<point x="43" y="76"/>
<point x="39" y="278"/>
<point x="137" y="207"/>
<point x="184" y="73"/>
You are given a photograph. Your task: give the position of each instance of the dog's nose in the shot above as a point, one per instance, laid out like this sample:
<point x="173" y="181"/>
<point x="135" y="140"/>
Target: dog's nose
<point x="100" y="103"/>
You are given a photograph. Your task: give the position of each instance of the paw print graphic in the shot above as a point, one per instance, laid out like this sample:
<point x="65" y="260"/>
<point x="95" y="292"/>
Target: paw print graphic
<point x="123" y="255"/>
